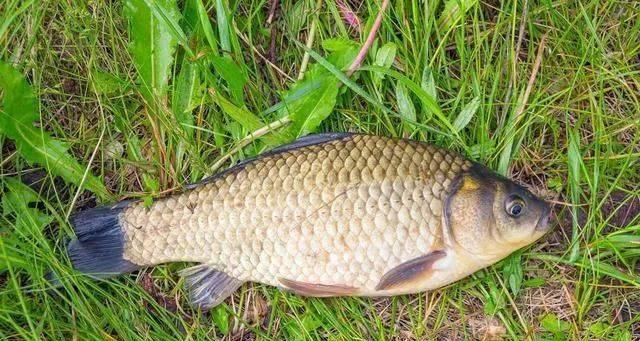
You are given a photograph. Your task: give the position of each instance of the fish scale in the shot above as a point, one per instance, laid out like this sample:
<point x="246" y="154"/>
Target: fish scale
<point x="342" y="212"/>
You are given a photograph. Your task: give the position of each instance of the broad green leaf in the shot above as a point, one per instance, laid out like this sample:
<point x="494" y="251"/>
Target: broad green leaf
<point x="190" y="19"/>
<point x="336" y="44"/>
<point x="534" y="282"/>
<point x="512" y="272"/>
<point x="405" y="105"/>
<point x="344" y="79"/>
<point x="301" y="329"/>
<point x="428" y="84"/>
<point x="168" y="16"/>
<point x="553" y="324"/>
<point x="17" y="197"/>
<point x="17" y="117"/>
<point x="385" y="55"/>
<point x="495" y="301"/>
<point x="247" y="119"/>
<point x="233" y="75"/>
<point x="315" y="107"/>
<point x="384" y="59"/>
<point x="466" y="114"/>
<point x="152" y="46"/>
<point x="310" y="101"/>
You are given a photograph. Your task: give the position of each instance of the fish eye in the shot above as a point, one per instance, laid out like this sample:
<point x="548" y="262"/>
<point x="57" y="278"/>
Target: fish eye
<point x="515" y="206"/>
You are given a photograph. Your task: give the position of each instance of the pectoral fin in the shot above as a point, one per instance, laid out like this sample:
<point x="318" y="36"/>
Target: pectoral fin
<point x="410" y="271"/>
<point x="207" y="286"/>
<point x="317" y="290"/>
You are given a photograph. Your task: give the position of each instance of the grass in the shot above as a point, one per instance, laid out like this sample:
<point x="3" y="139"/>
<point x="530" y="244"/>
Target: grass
<point x="546" y="92"/>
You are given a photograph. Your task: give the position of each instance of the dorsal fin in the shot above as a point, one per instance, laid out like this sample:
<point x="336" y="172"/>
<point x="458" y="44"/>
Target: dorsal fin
<point x="305" y="141"/>
<point x="207" y="286"/>
<point x="309" y="140"/>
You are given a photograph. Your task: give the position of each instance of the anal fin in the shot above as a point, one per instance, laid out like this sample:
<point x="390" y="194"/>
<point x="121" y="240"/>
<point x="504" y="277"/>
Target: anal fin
<point x="207" y="286"/>
<point x="317" y="290"/>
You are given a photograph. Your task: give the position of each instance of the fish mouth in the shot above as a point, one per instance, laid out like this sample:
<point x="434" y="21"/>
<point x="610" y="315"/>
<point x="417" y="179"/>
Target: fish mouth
<point x="543" y="222"/>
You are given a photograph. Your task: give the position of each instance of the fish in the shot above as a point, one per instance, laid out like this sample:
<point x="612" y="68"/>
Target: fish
<point x="333" y="214"/>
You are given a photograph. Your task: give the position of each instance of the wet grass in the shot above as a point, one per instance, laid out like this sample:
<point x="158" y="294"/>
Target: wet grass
<point x="546" y="92"/>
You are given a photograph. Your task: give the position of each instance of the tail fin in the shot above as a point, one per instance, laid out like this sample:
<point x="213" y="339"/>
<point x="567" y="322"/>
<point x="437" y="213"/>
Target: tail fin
<point x="99" y="246"/>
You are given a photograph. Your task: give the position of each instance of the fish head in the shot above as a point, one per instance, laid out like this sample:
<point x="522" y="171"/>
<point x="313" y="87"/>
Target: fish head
<point x="488" y="216"/>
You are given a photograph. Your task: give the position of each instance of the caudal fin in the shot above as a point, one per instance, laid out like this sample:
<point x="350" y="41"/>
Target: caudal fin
<point x="99" y="246"/>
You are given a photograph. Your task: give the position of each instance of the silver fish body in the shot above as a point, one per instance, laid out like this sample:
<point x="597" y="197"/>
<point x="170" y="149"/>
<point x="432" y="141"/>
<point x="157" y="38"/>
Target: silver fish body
<point x="333" y="215"/>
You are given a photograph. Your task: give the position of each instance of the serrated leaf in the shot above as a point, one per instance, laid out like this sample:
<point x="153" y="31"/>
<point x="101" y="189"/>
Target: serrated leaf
<point x="17" y="117"/>
<point x="152" y="46"/>
<point x="466" y="114"/>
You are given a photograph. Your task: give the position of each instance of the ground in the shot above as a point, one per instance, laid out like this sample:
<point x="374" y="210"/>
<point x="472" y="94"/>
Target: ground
<point x="148" y="99"/>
